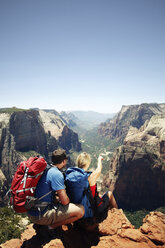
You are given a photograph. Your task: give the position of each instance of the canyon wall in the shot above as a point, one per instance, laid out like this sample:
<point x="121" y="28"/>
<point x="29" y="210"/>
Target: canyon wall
<point x="137" y="169"/>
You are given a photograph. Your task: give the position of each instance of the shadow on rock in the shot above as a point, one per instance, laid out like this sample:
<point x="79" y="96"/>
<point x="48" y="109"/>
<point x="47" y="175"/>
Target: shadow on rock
<point x="73" y="237"/>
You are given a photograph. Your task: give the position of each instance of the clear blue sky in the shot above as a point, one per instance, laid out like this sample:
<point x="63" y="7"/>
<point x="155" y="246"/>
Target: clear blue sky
<point x="82" y="54"/>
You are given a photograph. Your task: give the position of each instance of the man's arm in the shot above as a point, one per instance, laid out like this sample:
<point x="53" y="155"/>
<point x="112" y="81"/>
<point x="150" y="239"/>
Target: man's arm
<point x="63" y="198"/>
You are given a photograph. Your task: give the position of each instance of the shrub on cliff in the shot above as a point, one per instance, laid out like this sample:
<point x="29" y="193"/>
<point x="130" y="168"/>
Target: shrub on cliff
<point x="9" y="225"/>
<point x="136" y="217"/>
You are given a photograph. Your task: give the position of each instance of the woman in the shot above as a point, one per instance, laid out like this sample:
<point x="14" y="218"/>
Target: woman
<point x="105" y="202"/>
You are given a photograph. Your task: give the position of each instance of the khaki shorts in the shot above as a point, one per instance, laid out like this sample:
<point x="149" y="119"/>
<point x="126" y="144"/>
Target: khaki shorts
<point x="52" y="215"/>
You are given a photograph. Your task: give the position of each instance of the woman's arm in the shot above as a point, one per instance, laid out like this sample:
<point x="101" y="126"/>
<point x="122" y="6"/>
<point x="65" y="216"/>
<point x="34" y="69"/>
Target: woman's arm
<point x="96" y="173"/>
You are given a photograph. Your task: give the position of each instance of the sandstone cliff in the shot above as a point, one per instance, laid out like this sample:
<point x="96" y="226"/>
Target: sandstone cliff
<point x="131" y="115"/>
<point x="115" y="232"/>
<point x="32" y="132"/>
<point x="56" y="128"/>
<point x="137" y="169"/>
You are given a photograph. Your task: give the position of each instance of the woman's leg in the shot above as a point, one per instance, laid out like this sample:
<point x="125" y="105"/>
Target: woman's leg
<point x="112" y="200"/>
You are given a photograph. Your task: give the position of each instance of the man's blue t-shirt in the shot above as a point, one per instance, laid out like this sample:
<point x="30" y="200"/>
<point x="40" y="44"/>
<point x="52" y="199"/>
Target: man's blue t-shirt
<point x="51" y="180"/>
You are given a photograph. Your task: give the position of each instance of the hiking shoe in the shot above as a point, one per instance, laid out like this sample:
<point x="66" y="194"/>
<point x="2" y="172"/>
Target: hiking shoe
<point x="41" y="231"/>
<point x="55" y="232"/>
<point x="46" y="232"/>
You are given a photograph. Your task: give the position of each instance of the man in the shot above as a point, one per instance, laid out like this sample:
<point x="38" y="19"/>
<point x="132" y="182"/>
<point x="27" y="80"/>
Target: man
<point x="59" y="211"/>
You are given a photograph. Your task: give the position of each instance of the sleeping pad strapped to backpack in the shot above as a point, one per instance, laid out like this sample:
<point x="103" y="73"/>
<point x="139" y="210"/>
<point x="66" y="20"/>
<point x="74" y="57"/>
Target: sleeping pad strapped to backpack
<point x="78" y="189"/>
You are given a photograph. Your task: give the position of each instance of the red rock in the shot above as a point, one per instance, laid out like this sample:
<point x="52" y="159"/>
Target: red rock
<point x="116" y="230"/>
<point x="13" y="243"/>
<point x="154" y="227"/>
<point x="115" y="221"/>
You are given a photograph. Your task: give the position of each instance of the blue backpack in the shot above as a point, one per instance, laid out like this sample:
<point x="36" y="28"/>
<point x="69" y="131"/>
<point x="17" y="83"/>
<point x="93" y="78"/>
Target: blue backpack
<point x="78" y="189"/>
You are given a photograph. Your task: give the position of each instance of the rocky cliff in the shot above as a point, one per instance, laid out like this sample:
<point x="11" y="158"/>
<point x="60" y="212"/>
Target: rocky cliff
<point x="24" y="133"/>
<point x="137" y="169"/>
<point x="131" y="115"/>
<point x="69" y="118"/>
<point x="115" y="232"/>
<point x="56" y="128"/>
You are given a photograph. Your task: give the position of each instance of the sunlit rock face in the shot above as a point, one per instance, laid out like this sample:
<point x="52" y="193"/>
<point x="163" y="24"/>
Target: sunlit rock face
<point x="131" y="115"/>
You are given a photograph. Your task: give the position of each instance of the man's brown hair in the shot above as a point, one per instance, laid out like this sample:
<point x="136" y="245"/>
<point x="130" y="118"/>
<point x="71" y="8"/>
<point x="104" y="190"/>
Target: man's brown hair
<point x="58" y="156"/>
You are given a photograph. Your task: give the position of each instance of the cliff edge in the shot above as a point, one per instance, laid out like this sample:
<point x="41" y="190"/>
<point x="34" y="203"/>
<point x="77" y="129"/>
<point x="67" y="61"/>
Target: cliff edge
<point x="115" y="232"/>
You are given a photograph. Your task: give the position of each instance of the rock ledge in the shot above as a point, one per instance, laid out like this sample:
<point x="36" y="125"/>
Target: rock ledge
<point x="115" y="232"/>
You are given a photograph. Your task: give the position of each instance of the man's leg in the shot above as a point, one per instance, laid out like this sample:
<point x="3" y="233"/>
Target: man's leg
<point x="68" y="214"/>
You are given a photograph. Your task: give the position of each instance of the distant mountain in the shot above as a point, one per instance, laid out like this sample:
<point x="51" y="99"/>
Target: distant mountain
<point x="131" y="115"/>
<point x="86" y="119"/>
<point x="69" y="118"/>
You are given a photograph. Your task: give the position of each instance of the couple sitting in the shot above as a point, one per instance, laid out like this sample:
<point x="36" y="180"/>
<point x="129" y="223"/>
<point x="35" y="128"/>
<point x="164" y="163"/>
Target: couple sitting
<point x="62" y="210"/>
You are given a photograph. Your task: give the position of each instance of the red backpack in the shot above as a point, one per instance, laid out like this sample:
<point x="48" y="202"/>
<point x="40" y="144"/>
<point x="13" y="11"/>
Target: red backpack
<point x="25" y="181"/>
